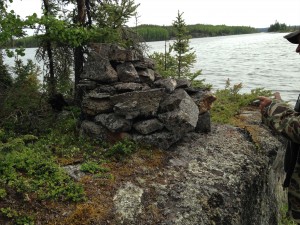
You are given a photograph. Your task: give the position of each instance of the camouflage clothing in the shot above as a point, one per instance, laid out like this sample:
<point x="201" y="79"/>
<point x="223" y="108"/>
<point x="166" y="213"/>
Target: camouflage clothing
<point x="281" y="118"/>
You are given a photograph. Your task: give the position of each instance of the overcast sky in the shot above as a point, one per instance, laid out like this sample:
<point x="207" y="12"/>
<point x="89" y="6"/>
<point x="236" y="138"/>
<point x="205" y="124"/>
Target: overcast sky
<point x="254" y="13"/>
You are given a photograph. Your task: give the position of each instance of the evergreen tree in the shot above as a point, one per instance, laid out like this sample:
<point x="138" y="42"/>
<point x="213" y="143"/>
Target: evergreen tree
<point x="180" y="64"/>
<point x="184" y="55"/>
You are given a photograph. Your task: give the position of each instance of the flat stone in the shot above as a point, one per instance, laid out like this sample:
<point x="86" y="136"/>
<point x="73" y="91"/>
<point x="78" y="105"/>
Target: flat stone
<point x="113" y="122"/>
<point x="137" y="103"/>
<point x="92" y="130"/>
<point x="148" y="126"/>
<point x="94" y="106"/>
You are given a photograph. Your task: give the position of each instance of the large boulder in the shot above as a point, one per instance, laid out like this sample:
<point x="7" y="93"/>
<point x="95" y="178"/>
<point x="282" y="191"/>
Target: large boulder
<point x="224" y="178"/>
<point x="180" y="113"/>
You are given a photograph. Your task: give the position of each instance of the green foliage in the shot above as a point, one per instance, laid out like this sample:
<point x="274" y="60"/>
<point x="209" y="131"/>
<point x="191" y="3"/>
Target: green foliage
<point x="179" y="59"/>
<point x="92" y="167"/>
<point x="122" y="149"/>
<point x="23" y="99"/>
<point x="3" y="193"/>
<point x="229" y="101"/>
<point x="29" y="171"/>
<point x="165" y="63"/>
<point x="284" y="218"/>
<point x="25" y="42"/>
<point x="279" y="27"/>
<point x="153" y="32"/>
<point x="161" y="33"/>
<point x="5" y="77"/>
<point x="17" y="218"/>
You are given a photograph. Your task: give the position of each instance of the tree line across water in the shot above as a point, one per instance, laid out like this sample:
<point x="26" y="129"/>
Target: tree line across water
<point x="149" y="33"/>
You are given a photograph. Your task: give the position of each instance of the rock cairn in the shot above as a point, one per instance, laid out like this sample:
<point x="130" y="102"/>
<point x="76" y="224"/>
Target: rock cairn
<point x="122" y="96"/>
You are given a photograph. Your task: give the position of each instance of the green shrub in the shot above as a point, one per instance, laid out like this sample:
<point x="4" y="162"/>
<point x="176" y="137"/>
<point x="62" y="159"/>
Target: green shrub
<point x="284" y="218"/>
<point x="23" y="104"/>
<point x="230" y="101"/>
<point x="122" y="149"/>
<point x="3" y="193"/>
<point x="27" y="170"/>
<point x="16" y="217"/>
<point x="92" y="167"/>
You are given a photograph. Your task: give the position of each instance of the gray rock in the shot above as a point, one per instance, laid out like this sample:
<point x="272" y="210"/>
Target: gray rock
<point x="168" y="83"/>
<point x="86" y="84"/>
<point x="148" y="126"/>
<point x="99" y="69"/>
<point x="97" y="95"/>
<point x="127" y="73"/>
<point x="74" y="171"/>
<point x="146" y="75"/>
<point x="83" y="87"/>
<point x="92" y="130"/>
<point x="128" y="207"/>
<point x="218" y="178"/>
<point x="127" y="87"/>
<point x="203" y="123"/>
<point x="120" y="54"/>
<point x="203" y="99"/>
<point x="104" y="88"/>
<point x="115" y="53"/>
<point x="145" y="63"/>
<point x="172" y="101"/>
<point x="94" y="106"/>
<point x="183" y="83"/>
<point x="162" y="139"/>
<point x="137" y="103"/>
<point x="183" y="118"/>
<point x="113" y="122"/>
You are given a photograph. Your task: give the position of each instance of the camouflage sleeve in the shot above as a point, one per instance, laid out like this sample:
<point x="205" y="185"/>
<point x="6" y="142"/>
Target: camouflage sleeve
<point x="281" y="118"/>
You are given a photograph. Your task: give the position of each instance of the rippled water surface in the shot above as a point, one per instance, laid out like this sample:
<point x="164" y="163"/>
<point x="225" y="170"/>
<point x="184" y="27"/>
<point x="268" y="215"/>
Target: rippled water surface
<point x="256" y="60"/>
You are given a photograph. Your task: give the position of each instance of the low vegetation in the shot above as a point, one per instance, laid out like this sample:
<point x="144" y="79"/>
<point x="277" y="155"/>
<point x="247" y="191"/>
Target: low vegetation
<point x="230" y="101"/>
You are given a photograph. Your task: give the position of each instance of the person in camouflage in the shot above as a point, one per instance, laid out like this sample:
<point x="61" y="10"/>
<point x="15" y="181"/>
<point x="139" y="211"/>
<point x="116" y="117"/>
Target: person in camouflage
<point x="280" y="117"/>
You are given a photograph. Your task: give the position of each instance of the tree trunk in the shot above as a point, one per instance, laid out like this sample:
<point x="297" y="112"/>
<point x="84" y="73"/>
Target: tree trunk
<point x="52" y="81"/>
<point x="78" y="51"/>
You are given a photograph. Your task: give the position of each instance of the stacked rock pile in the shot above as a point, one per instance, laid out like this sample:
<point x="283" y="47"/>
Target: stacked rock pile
<point x="122" y="96"/>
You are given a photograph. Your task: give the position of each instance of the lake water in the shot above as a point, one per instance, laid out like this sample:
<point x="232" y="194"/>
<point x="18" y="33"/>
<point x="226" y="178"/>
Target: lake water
<point x="256" y="60"/>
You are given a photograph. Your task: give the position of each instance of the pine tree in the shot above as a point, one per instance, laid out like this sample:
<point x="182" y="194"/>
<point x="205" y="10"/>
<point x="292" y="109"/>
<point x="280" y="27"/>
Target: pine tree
<point x="184" y="55"/>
